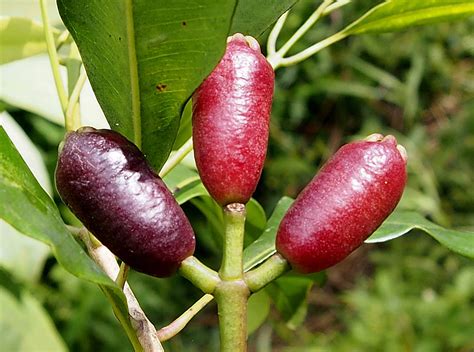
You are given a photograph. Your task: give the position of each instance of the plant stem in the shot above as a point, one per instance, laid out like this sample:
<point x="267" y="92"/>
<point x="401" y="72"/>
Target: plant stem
<point x="273" y="36"/>
<point x="232" y="292"/>
<point x="276" y="57"/>
<point x="53" y="57"/>
<point x="303" y="55"/>
<point x="176" y="158"/>
<point x="231" y="298"/>
<point x="271" y="269"/>
<point x="199" y="274"/>
<point x="122" y="275"/>
<point x="72" y="118"/>
<point x="234" y="220"/>
<point x="176" y="326"/>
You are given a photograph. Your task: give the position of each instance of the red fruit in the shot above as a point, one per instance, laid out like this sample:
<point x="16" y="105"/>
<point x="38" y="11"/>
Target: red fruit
<point x="344" y="204"/>
<point x="110" y="187"/>
<point x="231" y="113"/>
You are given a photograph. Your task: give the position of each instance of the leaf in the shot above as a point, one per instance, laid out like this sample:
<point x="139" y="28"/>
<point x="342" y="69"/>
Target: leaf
<point x="264" y="246"/>
<point x="257" y="310"/>
<point x="402" y="222"/>
<point x="254" y="17"/>
<point x="39" y="95"/>
<point x="22" y="197"/>
<point x="23" y="256"/>
<point x="21" y="37"/>
<point x="290" y="296"/>
<point x="190" y="190"/>
<point x="396" y="15"/>
<point x="145" y="58"/>
<point x="255" y="221"/>
<point x="26" y="326"/>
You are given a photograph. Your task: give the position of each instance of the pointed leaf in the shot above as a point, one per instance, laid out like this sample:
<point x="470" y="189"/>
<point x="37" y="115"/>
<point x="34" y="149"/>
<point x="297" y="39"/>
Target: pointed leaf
<point x="145" y="58"/>
<point x="402" y="222"/>
<point x="254" y="17"/>
<point x="395" y="15"/>
<point x="21" y="37"/>
<point x="264" y="246"/>
<point x="27" y="207"/>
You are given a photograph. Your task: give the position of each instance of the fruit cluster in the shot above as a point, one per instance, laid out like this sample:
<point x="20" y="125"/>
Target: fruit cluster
<point x="107" y="182"/>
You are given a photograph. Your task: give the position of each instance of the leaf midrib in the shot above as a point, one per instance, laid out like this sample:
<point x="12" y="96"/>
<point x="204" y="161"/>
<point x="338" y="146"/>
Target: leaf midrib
<point x="133" y="68"/>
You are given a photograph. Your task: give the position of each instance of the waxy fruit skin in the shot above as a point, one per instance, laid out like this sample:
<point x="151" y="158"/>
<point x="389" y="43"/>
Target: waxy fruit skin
<point x="344" y="204"/>
<point x="107" y="183"/>
<point x="231" y="113"/>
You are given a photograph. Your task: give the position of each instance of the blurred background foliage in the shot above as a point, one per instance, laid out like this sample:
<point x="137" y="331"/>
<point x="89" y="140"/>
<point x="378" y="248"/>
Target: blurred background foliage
<point x="409" y="294"/>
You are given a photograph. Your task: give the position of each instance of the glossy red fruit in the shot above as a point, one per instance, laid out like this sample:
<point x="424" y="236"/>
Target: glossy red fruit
<point x="344" y="204"/>
<point x="107" y="183"/>
<point x="231" y="113"/>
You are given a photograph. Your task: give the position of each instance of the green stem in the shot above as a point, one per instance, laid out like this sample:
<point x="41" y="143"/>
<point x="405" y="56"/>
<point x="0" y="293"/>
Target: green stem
<point x="232" y="263"/>
<point x="276" y="57"/>
<point x="177" y="157"/>
<point x="72" y="117"/>
<point x="271" y="269"/>
<point x="308" y="52"/>
<point x="122" y="275"/>
<point x="176" y="326"/>
<point x="273" y="36"/>
<point x="53" y="57"/>
<point x="231" y="298"/>
<point x="124" y="321"/>
<point x="199" y="274"/>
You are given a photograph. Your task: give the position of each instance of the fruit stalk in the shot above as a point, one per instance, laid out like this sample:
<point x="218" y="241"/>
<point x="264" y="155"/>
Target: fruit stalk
<point x="232" y="293"/>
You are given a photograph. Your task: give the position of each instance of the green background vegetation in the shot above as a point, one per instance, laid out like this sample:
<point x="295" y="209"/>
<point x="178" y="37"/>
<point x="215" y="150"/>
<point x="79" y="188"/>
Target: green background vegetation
<point x="409" y="294"/>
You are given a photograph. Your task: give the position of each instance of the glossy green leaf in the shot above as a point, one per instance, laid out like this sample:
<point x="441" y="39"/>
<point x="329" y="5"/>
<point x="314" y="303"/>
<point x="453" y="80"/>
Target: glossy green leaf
<point x="254" y="17"/>
<point x="190" y="190"/>
<point x="20" y="38"/>
<point x="23" y="198"/>
<point x="26" y="326"/>
<point x="289" y="293"/>
<point x="255" y="221"/>
<point x="264" y="246"/>
<point x="145" y="58"/>
<point x="402" y="222"/>
<point x="257" y="310"/>
<point x="396" y="15"/>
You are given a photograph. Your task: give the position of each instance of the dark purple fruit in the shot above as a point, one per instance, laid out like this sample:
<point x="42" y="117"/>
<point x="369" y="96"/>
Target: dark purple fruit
<point x="231" y="114"/>
<point x="107" y="183"/>
<point x="344" y="204"/>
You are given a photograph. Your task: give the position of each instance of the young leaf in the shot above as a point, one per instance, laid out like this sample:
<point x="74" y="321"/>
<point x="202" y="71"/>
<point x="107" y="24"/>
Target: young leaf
<point x="395" y="15"/>
<point x="264" y="246"/>
<point x="254" y="17"/>
<point x="20" y="38"/>
<point x="24" y="199"/>
<point x="402" y="222"/>
<point x="257" y="310"/>
<point x="145" y="58"/>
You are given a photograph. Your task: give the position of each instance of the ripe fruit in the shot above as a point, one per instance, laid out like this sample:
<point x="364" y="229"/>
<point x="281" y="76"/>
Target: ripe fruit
<point x="344" y="204"/>
<point x="109" y="186"/>
<point x="231" y="113"/>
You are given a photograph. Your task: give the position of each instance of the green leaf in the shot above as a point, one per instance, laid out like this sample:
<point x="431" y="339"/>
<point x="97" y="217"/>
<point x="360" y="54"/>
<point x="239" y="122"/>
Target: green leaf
<point x="20" y="38"/>
<point x="290" y="296"/>
<point x="264" y="246"/>
<point x="255" y="221"/>
<point x="145" y="58"/>
<point x="192" y="189"/>
<point x="254" y="17"/>
<point x="26" y="326"/>
<point x="257" y="310"/>
<point x="396" y="15"/>
<point x="402" y="222"/>
<point x="24" y="199"/>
